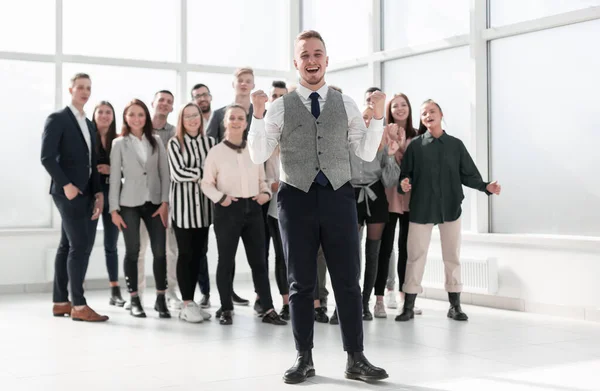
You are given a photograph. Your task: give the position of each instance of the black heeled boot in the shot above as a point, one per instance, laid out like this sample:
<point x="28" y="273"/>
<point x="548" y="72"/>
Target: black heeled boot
<point x="302" y="369"/>
<point x="455" y="312"/>
<point x="408" y="311"/>
<point x="115" y="297"/>
<point x="136" y="307"/>
<point x="161" y="306"/>
<point x="359" y="368"/>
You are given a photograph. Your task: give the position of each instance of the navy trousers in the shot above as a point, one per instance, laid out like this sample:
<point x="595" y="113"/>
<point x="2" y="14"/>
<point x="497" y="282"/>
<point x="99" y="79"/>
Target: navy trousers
<point x="328" y="218"/>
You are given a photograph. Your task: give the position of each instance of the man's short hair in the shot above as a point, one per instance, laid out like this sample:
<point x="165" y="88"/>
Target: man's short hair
<point x="240" y="71"/>
<point x="164" y="92"/>
<point x="370" y="90"/>
<point x="199" y="85"/>
<point x="79" y="76"/>
<point x="307" y="34"/>
<point x="279" y="84"/>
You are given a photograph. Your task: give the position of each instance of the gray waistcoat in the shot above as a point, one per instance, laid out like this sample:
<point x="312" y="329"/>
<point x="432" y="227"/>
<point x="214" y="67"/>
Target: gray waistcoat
<point x="309" y="145"/>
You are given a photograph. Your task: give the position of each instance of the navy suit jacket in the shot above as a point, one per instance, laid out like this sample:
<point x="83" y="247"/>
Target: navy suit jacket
<point x="65" y="154"/>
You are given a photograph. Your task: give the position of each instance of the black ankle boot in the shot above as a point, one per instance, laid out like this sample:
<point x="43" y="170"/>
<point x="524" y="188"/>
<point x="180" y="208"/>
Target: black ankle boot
<point x="455" y="312"/>
<point x="359" y="368"/>
<point x="115" y="297"/>
<point x="408" y="311"/>
<point x="136" y="307"/>
<point x="161" y="306"/>
<point x="367" y="315"/>
<point x="302" y="369"/>
<point x="334" y="318"/>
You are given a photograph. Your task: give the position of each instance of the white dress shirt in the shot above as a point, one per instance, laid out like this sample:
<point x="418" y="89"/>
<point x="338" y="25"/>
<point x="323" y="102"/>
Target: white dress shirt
<point x="265" y="133"/>
<point x="85" y="131"/>
<point x="143" y="149"/>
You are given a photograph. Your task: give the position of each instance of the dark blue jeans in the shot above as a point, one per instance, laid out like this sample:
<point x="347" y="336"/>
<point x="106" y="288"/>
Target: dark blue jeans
<point x="77" y="235"/>
<point x="111" y="236"/>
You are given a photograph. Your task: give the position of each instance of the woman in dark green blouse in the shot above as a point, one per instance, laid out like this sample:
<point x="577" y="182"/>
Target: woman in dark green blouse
<point x="435" y="167"/>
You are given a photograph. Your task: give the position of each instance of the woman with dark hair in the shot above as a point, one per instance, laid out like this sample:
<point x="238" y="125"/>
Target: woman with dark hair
<point x="399" y="129"/>
<point x="238" y="188"/>
<point x="106" y="126"/>
<point x="435" y="167"/>
<point x="140" y="159"/>
<point x="191" y="212"/>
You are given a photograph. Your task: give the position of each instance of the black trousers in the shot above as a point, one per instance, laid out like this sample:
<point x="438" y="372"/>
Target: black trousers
<point x="242" y="219"/>
<point x="193" y="246"/>
<point x="328" y="218"/>
<point x="77" y="235"/>
<point x="158" y="239"/>
<point x="385" y="251"/>
<point x="280" y="268"/>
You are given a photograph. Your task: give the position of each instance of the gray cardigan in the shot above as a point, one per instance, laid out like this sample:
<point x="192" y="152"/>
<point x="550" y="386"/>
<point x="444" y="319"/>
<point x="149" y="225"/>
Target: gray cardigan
<point x="125" y="164"/>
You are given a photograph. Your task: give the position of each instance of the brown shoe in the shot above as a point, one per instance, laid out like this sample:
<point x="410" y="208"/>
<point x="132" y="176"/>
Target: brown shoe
<point x="86" y="314"/>
<point x="61" y="309"/>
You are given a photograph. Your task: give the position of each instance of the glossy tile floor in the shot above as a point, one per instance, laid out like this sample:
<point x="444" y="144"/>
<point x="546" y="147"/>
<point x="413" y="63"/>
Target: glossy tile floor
<point x="495" y="350"/>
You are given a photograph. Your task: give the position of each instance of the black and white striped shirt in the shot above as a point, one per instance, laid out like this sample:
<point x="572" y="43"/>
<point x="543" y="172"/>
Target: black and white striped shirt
<point x="188" y="206"/>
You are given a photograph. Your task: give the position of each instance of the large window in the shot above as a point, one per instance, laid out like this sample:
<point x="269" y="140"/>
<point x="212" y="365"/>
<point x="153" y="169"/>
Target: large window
<point x="119" y="85"/>
<point x="413" y="22"/>
<point x="27" y="101"/>
<point x="513" y="11"/>
<point x="239" y="33"/>
<point x="132" y="29"/>
<point x="353" y="82"/>
<point x="444" y="77"/>
<point x="28" y="26"/>
<point x="345" y="26"/>
<point x="544" y="132"/>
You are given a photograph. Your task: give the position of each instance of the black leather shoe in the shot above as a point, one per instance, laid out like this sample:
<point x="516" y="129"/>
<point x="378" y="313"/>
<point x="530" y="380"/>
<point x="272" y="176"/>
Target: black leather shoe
<point x="302" y="369"/>
<point x="238" y="300"/>
<point x="359" y="368"/>
<point x="323" y="302"/>
<point x="455" y="312"/>
<point x="115" y="297"/>
<point x="205" y="302"/>
<point x="408" y="311"/>
<point x="220" y="311"/>
<point x="334" y="318"/>
<point x="367" y="315"/>
<point x="258" y="308"/>
<point x="273" y="318"/>
<point x="136" y="307"/>
<point x="226" y="318"/>
<point x="321" y="316"/>
<point x="161" y="306"/>
<point x="285" y="312"/>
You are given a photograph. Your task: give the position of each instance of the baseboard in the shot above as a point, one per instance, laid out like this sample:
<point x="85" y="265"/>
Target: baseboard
<point x="516" y="304"/>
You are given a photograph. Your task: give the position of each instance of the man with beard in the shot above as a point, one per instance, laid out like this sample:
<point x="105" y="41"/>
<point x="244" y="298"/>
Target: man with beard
<point x="201" y="95"/>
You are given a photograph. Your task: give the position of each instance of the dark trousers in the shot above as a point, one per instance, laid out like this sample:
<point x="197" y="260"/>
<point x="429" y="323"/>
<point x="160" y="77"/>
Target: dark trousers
<point x="385" y="251"/>
<point x="111" y="237"/>
<point x="193" y="246"/>
<point x="242" y="219"/>
<point x="280" y="268"/>
<point x="158" y="238"/>
<point x="77" y="235"/>
<point x="326" y="217"/>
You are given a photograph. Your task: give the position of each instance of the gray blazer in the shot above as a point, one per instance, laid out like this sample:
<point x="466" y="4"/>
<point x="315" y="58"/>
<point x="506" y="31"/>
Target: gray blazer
<point x="125" y="163"/>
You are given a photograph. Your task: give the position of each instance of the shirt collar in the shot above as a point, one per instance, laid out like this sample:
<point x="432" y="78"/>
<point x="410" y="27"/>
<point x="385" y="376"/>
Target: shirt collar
<point x="77" y="113"/>
<point x="305" y="92"/>
<point x="429" y="137"/>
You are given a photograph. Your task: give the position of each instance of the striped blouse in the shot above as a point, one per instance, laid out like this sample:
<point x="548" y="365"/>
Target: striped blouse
<point x="188" y="206"/>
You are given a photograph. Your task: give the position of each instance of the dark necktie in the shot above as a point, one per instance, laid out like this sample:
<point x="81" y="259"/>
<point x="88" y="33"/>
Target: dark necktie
<point x="315" y="109"/>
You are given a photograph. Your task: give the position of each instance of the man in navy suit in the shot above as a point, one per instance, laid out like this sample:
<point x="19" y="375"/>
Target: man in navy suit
<point x="69" y="156"/>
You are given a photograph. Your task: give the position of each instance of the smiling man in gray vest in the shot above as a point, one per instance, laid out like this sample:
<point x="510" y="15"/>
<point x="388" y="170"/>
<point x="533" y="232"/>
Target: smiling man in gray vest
<point x="315" y="127"/>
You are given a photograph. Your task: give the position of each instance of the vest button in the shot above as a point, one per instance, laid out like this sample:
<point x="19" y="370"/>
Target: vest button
<point x="320" y="153"/>
<point x="319" y="137"/>
<point x="316" y="168"/>
<point x="144" y="173"/>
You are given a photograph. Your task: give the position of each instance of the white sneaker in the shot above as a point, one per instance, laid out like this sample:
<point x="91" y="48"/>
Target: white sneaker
<point x="191" y="313"/>
<point x="390" y="299"/>
<point x="417" y="311"/>
<point x="173" y="301"/>
<point x="379" y="310"/>
<point x="205" y="314"/>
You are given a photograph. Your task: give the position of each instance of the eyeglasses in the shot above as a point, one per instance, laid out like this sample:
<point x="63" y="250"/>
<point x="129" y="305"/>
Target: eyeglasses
<point x="205" y="95"/>
<point x="191" y="117"/>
